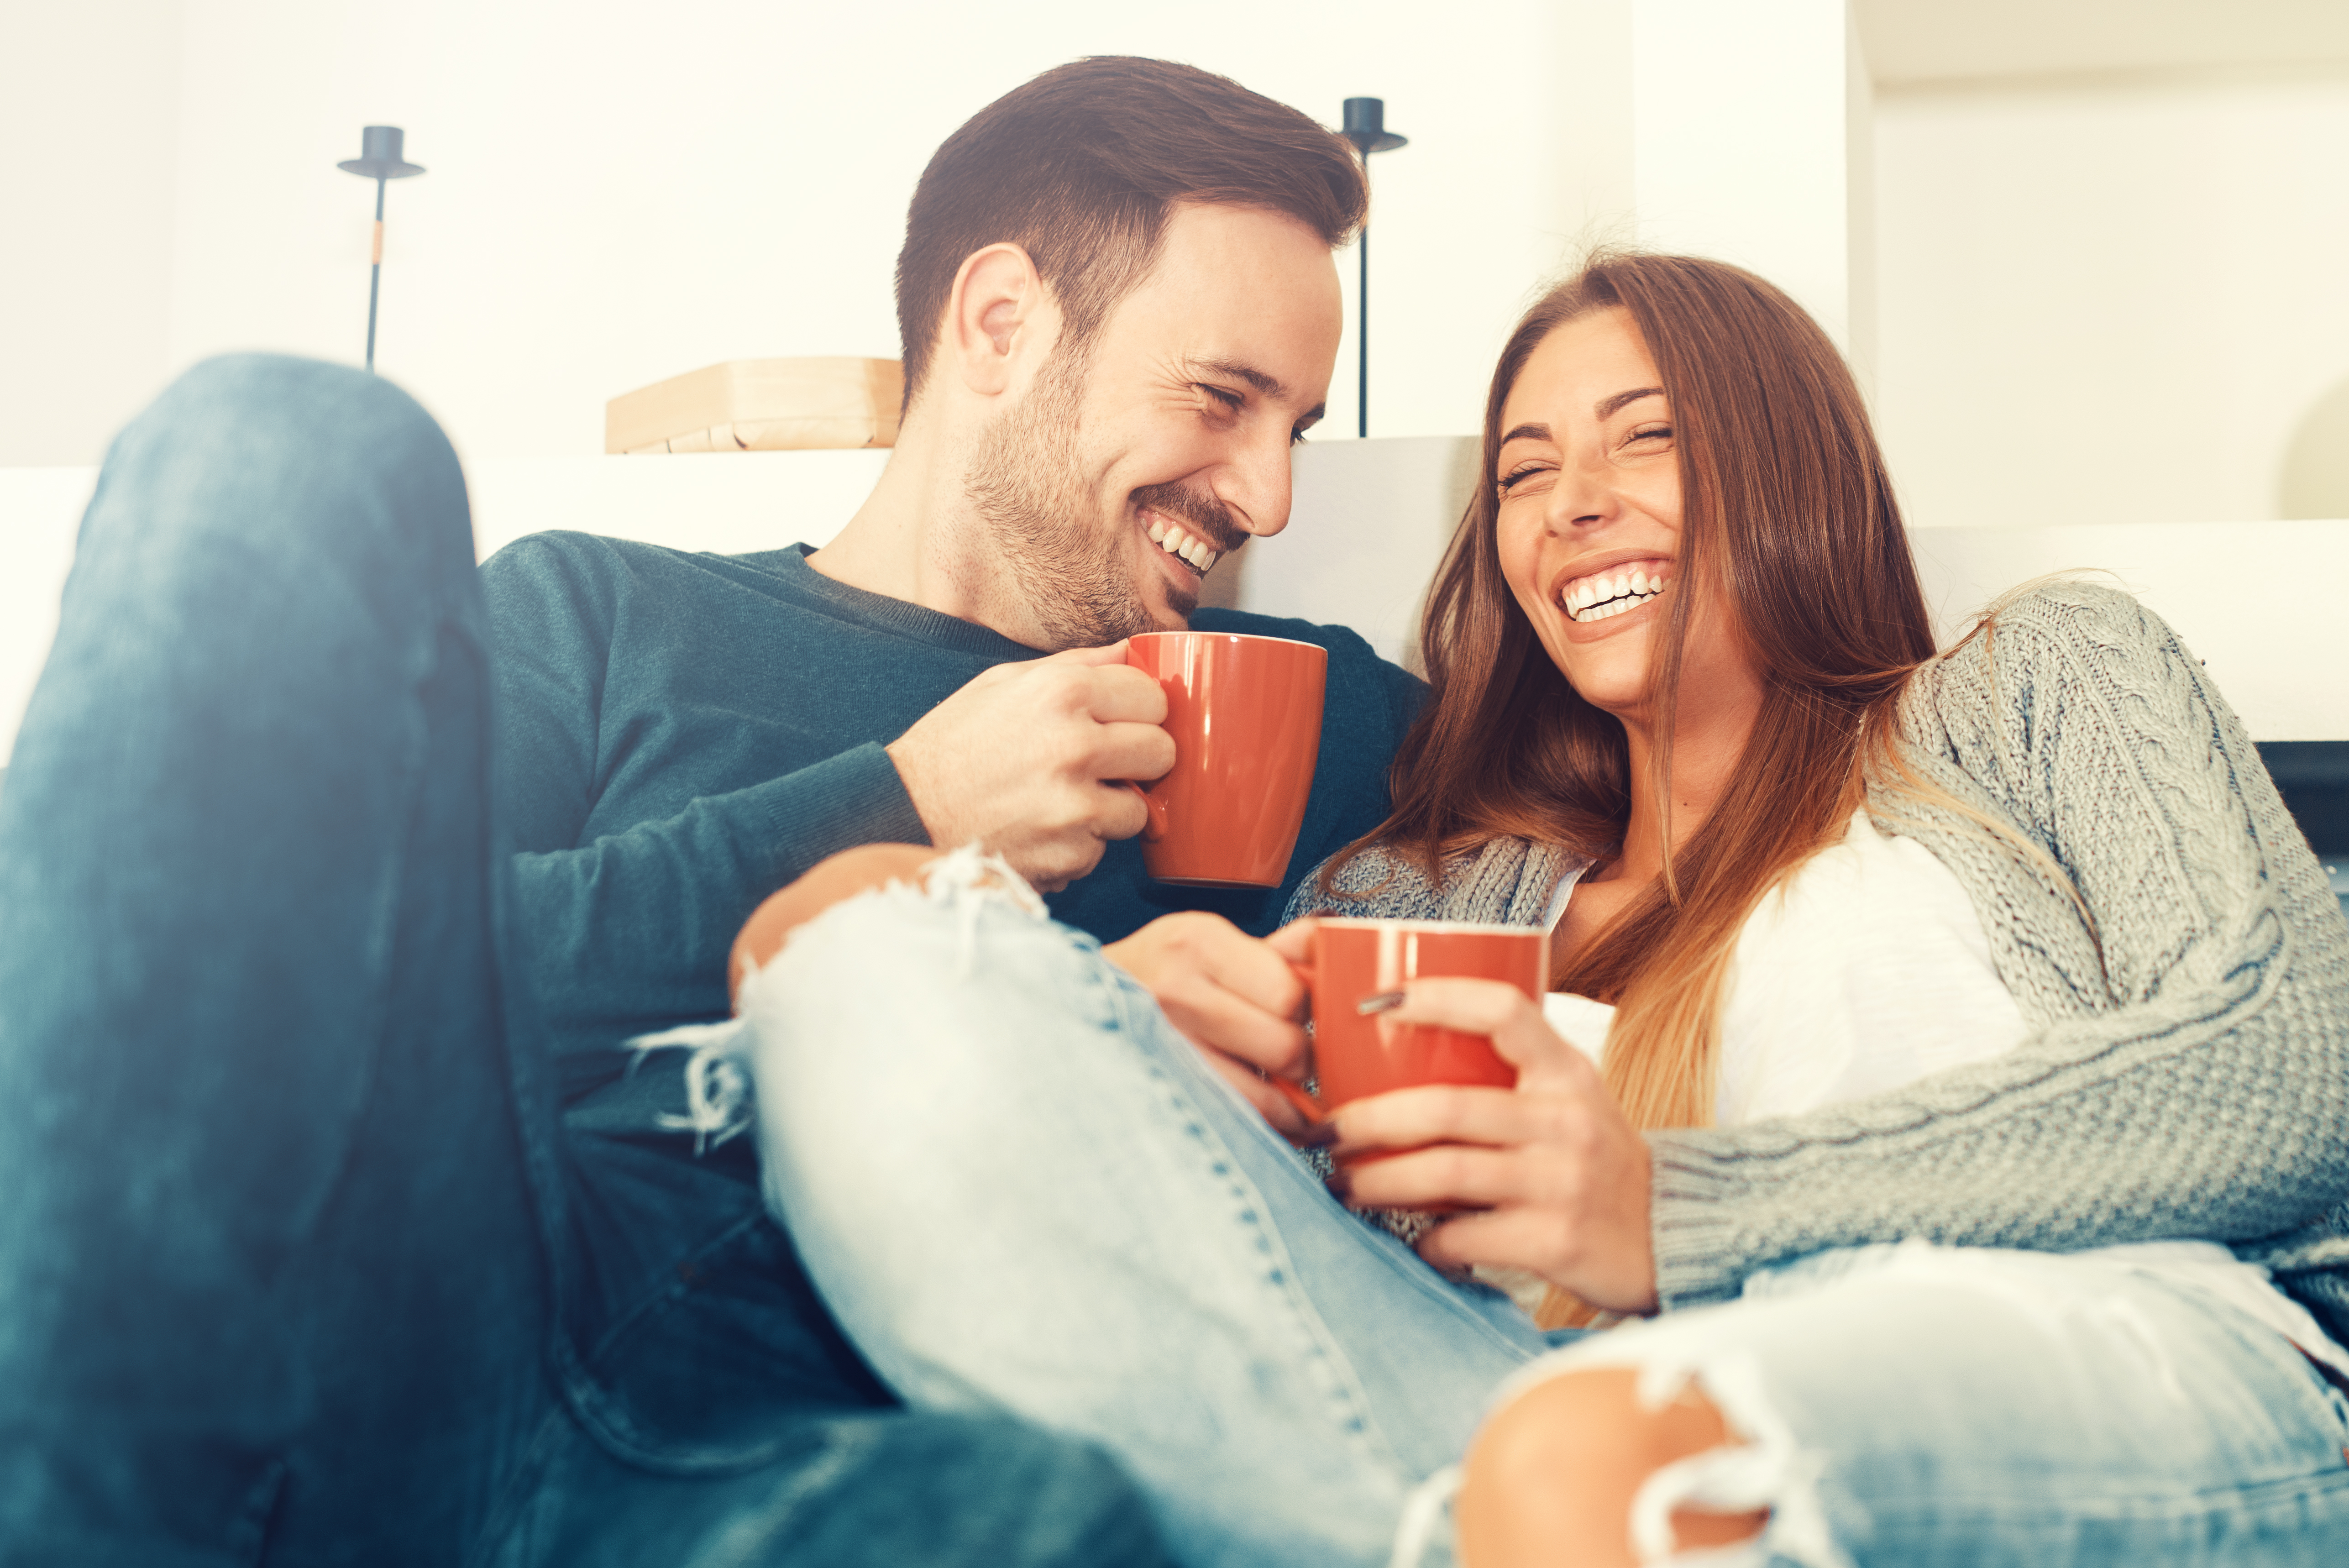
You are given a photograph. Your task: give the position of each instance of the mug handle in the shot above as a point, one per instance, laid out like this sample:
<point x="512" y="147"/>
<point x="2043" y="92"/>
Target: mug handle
<point x="1155" y="824"/>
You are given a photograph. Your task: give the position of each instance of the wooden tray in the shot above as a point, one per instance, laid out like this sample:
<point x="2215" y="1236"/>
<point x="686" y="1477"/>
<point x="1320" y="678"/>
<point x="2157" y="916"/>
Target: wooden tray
<point x="761" y="405"/>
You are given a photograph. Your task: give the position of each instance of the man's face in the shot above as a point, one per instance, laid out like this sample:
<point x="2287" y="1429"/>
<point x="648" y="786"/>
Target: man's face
<point x="1130" y="467"/>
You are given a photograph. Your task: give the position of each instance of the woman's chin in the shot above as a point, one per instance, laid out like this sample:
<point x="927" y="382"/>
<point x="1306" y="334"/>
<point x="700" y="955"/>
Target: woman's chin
<point x="1620" y="701"/>
<point x="1611" y="676"/>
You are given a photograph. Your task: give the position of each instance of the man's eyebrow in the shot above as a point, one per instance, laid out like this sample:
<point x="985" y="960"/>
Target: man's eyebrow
<point x="1607" y="408"/>
<point x="1268" y="384"/>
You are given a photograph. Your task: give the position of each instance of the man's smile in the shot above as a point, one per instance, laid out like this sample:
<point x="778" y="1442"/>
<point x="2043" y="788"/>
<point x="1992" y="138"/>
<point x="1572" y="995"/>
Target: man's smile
<point x="1178" y="541"/>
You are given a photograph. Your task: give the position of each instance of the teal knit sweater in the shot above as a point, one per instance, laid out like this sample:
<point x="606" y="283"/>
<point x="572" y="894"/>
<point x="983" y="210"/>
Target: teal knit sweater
<point x="680" y="735"/>
<point x="2187" y="1071"/>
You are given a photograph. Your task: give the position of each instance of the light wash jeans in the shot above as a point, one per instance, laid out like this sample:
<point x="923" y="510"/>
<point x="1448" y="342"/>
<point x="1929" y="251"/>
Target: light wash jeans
<point x="1021" y="1189"/>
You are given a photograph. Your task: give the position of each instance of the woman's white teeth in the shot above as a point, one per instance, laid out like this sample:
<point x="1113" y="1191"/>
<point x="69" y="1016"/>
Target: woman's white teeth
<point x="1608" y="593"/>
<point x="1170" y="538"/>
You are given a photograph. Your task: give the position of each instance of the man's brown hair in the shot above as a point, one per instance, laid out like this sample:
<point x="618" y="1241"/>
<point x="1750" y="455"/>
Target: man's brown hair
<point x="1080" y="167"/>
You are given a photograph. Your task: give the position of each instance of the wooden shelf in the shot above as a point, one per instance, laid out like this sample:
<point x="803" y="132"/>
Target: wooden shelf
<point x="761" y="405"/>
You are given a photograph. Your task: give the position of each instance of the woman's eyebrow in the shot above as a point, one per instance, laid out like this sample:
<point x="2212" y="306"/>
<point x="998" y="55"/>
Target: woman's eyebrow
<point x="1607" y="408"/>
<point x="1526" y="433"/>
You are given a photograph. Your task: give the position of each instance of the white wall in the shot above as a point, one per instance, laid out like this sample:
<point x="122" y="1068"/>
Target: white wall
<point x="1751" y="129"/>
<point x="88" y="122"/>
<point x="616" y="193"/>
<point x="1916" y="41"/>
<point x="2104" y="302"/>
<point x="2097" y="298"/>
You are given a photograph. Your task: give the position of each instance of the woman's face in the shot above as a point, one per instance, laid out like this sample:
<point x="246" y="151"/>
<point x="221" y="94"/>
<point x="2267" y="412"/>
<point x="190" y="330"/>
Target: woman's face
<point x="1589" y="529"/>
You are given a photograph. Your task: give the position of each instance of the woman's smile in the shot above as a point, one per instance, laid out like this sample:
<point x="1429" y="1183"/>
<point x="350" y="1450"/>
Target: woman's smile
<point x="1591" y="592"/>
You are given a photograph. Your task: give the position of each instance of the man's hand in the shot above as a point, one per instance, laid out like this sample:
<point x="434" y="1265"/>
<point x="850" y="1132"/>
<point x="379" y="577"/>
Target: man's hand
<point x="1239" y="1000"/>
<point x="1553" y="1176"/>
<point x="1031" y="758"/>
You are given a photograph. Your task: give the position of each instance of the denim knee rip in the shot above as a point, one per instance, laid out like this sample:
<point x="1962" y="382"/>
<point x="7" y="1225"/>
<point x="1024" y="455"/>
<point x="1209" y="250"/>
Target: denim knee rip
<point x="1766" y="1468"/>
<point x="718" y="1102"/>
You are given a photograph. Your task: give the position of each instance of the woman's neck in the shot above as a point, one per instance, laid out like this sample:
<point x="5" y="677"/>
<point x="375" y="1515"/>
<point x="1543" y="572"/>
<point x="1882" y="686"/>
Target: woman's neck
<point x="1704" y="759"/>
<point x="1704" y="763"/>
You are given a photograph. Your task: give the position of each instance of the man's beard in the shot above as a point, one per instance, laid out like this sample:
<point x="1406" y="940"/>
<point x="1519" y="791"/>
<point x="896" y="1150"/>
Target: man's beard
<point x="1028" y="490"/>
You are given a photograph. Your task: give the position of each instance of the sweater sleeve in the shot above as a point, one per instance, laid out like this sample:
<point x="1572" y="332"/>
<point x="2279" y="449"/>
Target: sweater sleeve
<point x="2189" y="1073"/>
<point x="629" y="931"/>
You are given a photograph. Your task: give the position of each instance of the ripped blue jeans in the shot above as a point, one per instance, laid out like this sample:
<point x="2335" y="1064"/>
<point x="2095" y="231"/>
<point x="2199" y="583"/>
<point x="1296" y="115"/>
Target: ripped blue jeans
<point x="1021" y="1189"/>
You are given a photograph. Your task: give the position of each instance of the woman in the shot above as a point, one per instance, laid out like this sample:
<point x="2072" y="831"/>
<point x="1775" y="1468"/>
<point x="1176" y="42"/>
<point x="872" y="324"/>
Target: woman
<point x="2010" y="949"/>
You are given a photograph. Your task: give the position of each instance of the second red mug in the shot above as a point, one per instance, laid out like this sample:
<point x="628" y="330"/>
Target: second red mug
<point x="1359" y="1053"/>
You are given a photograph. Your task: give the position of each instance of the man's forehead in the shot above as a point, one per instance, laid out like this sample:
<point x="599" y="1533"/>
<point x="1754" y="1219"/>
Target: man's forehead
<point x="1223" y="238"/>
<point x="1244" y="294"/>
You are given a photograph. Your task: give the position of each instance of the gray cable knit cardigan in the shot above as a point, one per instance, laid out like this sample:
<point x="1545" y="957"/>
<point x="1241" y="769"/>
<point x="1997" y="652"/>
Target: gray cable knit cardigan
<point x="2186" y="1076"/>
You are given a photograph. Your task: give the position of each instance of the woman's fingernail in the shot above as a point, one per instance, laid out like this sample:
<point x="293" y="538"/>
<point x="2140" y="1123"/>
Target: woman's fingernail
<point x="1316" y="1134"/>
<point x="1380" y="1002"/>
<point x="1342" y="1185"/>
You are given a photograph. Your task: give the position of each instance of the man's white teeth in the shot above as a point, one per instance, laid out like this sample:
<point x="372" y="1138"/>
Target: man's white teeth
<point x="1609" y="593"/>
<point x="1170" y="538"/>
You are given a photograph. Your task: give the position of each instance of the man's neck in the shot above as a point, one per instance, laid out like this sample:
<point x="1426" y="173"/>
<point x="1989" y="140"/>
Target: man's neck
<point x="891" y="546"/>
<point x="916" y="539"/>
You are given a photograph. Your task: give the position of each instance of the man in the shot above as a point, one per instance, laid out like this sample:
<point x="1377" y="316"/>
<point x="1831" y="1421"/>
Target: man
<point x="335" y="1223"/>
<point x="1107" y="360"/>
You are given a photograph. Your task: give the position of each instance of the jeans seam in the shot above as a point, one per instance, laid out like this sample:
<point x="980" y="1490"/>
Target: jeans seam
<point x="670" y="1290"/>
<point x="1343" y="1391"/>
<point x="383" y="935"/>
<point x="2247" y="1502"/>
<point x="605" y="1417"/>
<point x="1412" y="1271"/>
<point x="249" y="1532"/>
<point x="510" y="1507"/>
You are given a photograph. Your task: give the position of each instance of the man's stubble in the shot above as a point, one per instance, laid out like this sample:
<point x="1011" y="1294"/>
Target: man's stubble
<point x="1027" y="488"/>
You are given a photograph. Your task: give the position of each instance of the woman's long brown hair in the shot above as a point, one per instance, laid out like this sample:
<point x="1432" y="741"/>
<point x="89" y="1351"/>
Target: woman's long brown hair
<point x="1788" y="513"/>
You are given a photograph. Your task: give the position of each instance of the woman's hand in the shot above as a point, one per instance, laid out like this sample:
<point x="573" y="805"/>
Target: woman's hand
<point x="1237" y="998"/>
<point x="1554" y="1179"/>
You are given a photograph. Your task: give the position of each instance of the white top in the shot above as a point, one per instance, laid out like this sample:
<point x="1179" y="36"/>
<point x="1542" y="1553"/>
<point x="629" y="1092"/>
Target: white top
<point x="1868" y="969"/>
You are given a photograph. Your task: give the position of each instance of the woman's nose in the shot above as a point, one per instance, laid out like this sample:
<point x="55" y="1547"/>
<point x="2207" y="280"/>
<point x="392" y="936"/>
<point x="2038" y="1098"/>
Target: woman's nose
<point x="1582" y="499"/>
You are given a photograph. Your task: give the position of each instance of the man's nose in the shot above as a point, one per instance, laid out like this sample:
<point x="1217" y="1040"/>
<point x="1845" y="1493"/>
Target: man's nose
<point x="1258" y="486"/>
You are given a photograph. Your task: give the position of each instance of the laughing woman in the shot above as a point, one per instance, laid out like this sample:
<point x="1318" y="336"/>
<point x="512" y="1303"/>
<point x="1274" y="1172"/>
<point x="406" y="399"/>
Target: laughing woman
<point x="1964" y="1169"/>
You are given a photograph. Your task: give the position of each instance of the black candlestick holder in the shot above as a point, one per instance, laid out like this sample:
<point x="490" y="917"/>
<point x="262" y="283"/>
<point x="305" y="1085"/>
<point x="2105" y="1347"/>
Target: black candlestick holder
<point x="1366" y="127"/>
<point x="379" y="160"/>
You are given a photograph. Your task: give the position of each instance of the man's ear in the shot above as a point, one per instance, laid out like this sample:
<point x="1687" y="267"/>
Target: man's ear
<point x="999" y="323"/>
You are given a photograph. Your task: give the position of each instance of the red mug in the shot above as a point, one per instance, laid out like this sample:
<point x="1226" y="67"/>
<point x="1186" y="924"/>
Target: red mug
<point x="1246" y="716"/>
<point x="1359" y="1050"/>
